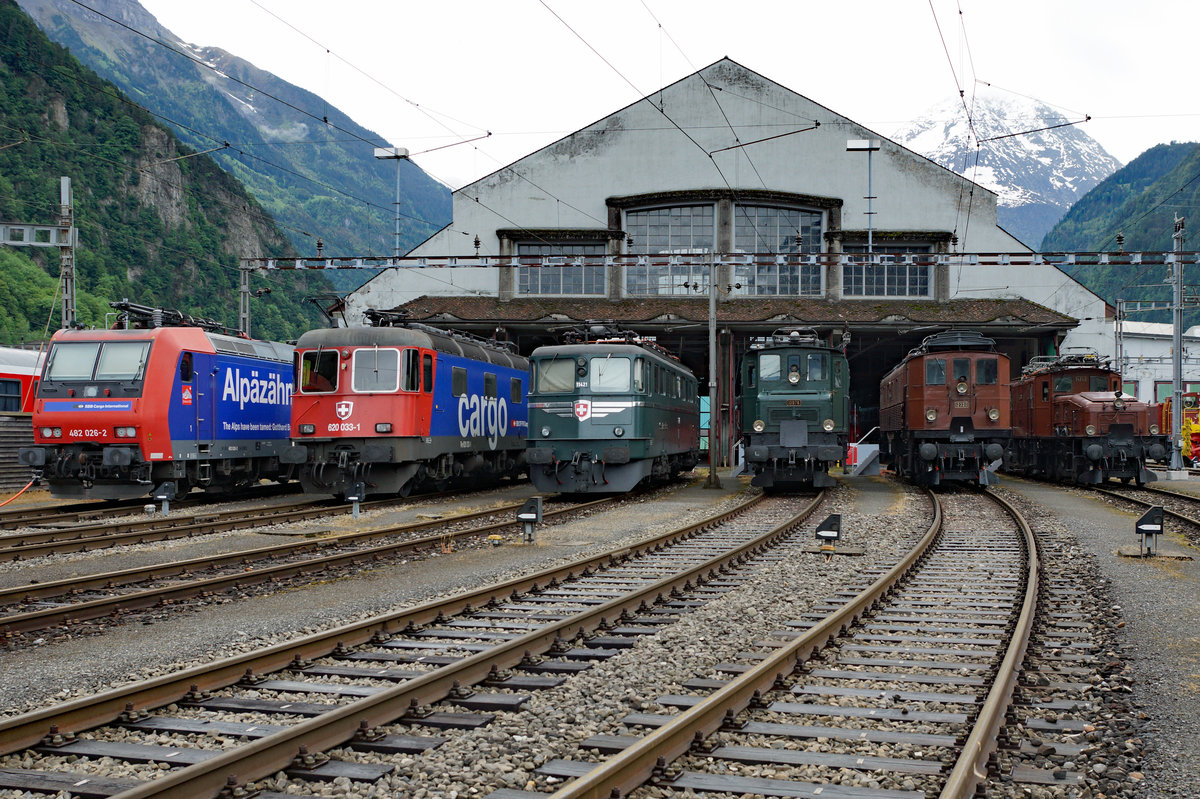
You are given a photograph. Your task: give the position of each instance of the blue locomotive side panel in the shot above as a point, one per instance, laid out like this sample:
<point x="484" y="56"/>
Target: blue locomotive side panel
<point x="231" y="399"/>
<point x="502" y="420"/>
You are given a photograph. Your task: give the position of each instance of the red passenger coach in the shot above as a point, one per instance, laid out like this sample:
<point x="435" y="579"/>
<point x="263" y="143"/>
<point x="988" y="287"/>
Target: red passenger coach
<point x="1072" y="422"/>
<point x="944" y="410"/>
<point x="19" y="373"/>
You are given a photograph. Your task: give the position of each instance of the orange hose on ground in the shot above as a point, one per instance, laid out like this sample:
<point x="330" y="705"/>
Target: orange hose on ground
<point x="19" y="493"/>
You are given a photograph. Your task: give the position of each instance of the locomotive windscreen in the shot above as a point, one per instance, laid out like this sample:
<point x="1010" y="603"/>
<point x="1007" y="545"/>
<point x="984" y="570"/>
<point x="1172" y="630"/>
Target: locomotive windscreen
<point x="94" y="360"/>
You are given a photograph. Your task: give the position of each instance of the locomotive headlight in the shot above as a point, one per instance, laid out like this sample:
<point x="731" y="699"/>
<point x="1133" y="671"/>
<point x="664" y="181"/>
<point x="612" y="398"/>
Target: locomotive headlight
<point x="1153" y="429"/>
<point x="993" y="414"/>
<point x="759" y="425"/>
<point x="383" y="427"/>
<point x="58" y="432"/>
<point x="307" y="429"/>
<point x="793" y="377"/>
<point x="1090" y="429"/>
<point x="1118" y="404"/>
<point x="930" y="414"/>
<point x="545" y="432"/>
<point x="618" y="431"/>
<point x="961" y="388"/>
<point x="125" y="432"/>
<point x="47" y="432"/>
<point x="827" y="425"/>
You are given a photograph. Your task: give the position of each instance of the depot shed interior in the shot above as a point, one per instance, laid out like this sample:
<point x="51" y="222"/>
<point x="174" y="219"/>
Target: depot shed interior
<point x="880" y="334"/>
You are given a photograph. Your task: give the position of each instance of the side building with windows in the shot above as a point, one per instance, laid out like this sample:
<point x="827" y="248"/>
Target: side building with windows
<point x="729" y="174"/>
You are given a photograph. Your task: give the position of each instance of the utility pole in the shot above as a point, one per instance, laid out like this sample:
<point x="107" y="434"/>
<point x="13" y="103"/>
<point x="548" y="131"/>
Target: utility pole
<point x="1177" y="349"/>
<point x="63" y="235"/>
<point x="714" y="443"/>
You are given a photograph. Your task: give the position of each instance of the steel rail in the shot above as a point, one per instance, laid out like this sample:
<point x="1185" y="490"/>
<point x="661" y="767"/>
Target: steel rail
<point x="970" y="770"/>
<point x="21" y="732"/>
<point x="313" y="541"/>
<point x="1174" y="514"/>
<point x="152" y="597"/>
<point x="268" y="755"/>
<point x="634" y="765"/>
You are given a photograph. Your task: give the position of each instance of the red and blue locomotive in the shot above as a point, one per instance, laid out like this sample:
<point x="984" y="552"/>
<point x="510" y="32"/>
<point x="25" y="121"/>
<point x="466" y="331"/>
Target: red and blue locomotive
<point x="944" y="410"/>
<point x="396" y="406"/>
<point x="165" y="399"/>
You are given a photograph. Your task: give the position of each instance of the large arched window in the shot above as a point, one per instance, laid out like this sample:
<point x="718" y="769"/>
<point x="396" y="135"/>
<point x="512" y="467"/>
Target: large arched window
<point x="764" y="230"/>
<point x="674" y="241"/>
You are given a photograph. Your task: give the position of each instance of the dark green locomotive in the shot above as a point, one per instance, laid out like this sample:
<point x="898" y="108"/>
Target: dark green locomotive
<point x="605" y="415"/>
<point x="795" y="409"/>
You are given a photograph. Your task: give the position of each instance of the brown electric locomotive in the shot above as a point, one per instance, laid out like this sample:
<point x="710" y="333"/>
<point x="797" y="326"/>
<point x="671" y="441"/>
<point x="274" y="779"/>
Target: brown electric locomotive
<point x="1071" y="422"/>
<point x="944" y="410"/>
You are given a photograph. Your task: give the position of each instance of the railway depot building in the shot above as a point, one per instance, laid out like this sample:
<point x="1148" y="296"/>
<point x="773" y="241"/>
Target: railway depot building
<point x="728" y="173"/>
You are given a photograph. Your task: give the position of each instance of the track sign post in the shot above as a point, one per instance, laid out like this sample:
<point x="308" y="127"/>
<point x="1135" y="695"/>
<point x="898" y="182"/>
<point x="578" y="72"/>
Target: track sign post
<point x="529" y="515"/>
<point x="828" y="532"/>
<point x="355" y="495"/>
<point x="164" y="494"/>
<point x="1149" y="527"/>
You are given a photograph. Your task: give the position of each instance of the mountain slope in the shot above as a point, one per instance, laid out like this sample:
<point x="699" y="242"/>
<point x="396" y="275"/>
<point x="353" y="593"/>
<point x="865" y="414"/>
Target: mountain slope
<point x="154" y="226"/>
<point x="1140" y="202"/>
<point x="317" y="180"/>
<point x="1037" y="174"/>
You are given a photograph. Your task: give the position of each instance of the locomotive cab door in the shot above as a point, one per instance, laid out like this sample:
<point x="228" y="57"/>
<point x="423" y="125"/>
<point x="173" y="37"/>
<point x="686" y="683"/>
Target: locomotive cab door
<point x="204" y="383"/>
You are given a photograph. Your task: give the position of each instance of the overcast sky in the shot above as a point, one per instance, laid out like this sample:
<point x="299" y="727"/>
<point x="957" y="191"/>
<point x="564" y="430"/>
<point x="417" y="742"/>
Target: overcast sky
<point x="430" y="74"/>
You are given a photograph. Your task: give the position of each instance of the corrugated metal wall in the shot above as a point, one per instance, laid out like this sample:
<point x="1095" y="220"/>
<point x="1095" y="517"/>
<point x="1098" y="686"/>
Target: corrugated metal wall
<point x="16" y="431"/>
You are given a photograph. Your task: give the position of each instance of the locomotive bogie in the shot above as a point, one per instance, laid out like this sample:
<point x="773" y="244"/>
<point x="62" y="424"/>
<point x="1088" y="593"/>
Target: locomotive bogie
<point x="121" y="412"/>
<point x="607" y="416"/>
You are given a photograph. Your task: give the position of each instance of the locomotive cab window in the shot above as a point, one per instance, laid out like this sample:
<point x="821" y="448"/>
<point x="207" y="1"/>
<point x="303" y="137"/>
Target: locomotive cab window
<point x="515" y="395"/>
<point x="410" y="371"/>
<point x="935" y="372"/>
<point x="818" y="366"/>
<point x="319" y="371"/>
<point x="185" y="368"/>
<point x="72" y="361"/>
<point x="1098" y="383"/>
<point x="376" y="370"/>
<point x="962" y="370"/>
<point x="555" y="376"/>
<point x="427" y="372"/>
<point x="987" y="372"/>
<point x="769" y="367"/>
<point x="1063" y="384"/>
<point x="639" y="382"/>
<point x="609" y="374"/>
<point x="458" y="381"/>
<point x="122" y="360"/>
<point x="489" y="385"/>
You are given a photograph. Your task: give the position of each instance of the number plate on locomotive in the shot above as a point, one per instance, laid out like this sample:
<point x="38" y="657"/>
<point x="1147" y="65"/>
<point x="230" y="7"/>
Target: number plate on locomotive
<point x="962" y="403"/>
<point x="795" y="402"/>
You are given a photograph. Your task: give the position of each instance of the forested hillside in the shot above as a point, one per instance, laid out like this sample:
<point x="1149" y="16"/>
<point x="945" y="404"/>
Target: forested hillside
<point x="311" y="166"/>
<point x="1139" y="201"/>
<point x="157" y="223"/>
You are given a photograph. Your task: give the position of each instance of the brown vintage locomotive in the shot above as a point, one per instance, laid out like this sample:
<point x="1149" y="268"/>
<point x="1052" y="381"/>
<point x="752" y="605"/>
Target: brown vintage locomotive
<point x="1071" y="422"/>
<point x="944" y="410"/>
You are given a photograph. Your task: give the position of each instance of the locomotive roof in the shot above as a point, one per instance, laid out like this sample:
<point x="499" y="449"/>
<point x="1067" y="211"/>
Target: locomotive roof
<point x="609" y="348"/>
<point x="409" y="337"/>
<point x="269" y="350"/>
<point x="956" y="340"/>
<point x="1065" y="362"/>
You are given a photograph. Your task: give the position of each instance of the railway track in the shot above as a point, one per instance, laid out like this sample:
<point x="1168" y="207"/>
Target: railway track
<point x="898" y="686"/>
<point x="72" y="601"/>
<point x="513" y="637"/>
<point x="104" y="535"/>
<point x="70" y="513"/>
<point x="1176" y="505"/>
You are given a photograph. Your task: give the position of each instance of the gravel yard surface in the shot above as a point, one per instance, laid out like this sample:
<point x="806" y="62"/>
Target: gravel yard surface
<point x="1159" y="603"/>
<point x="64" y="667"/>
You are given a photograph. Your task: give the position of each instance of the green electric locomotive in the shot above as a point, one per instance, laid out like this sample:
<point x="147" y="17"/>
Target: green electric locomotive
<point x="795" y="409"/>
<point x="606" y="414"/>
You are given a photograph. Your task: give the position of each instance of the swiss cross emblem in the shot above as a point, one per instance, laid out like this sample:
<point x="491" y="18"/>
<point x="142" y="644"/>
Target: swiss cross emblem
<point x="344" y="409"/>
<point x="583" y="409"/>
<point x="187" y="395"/>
